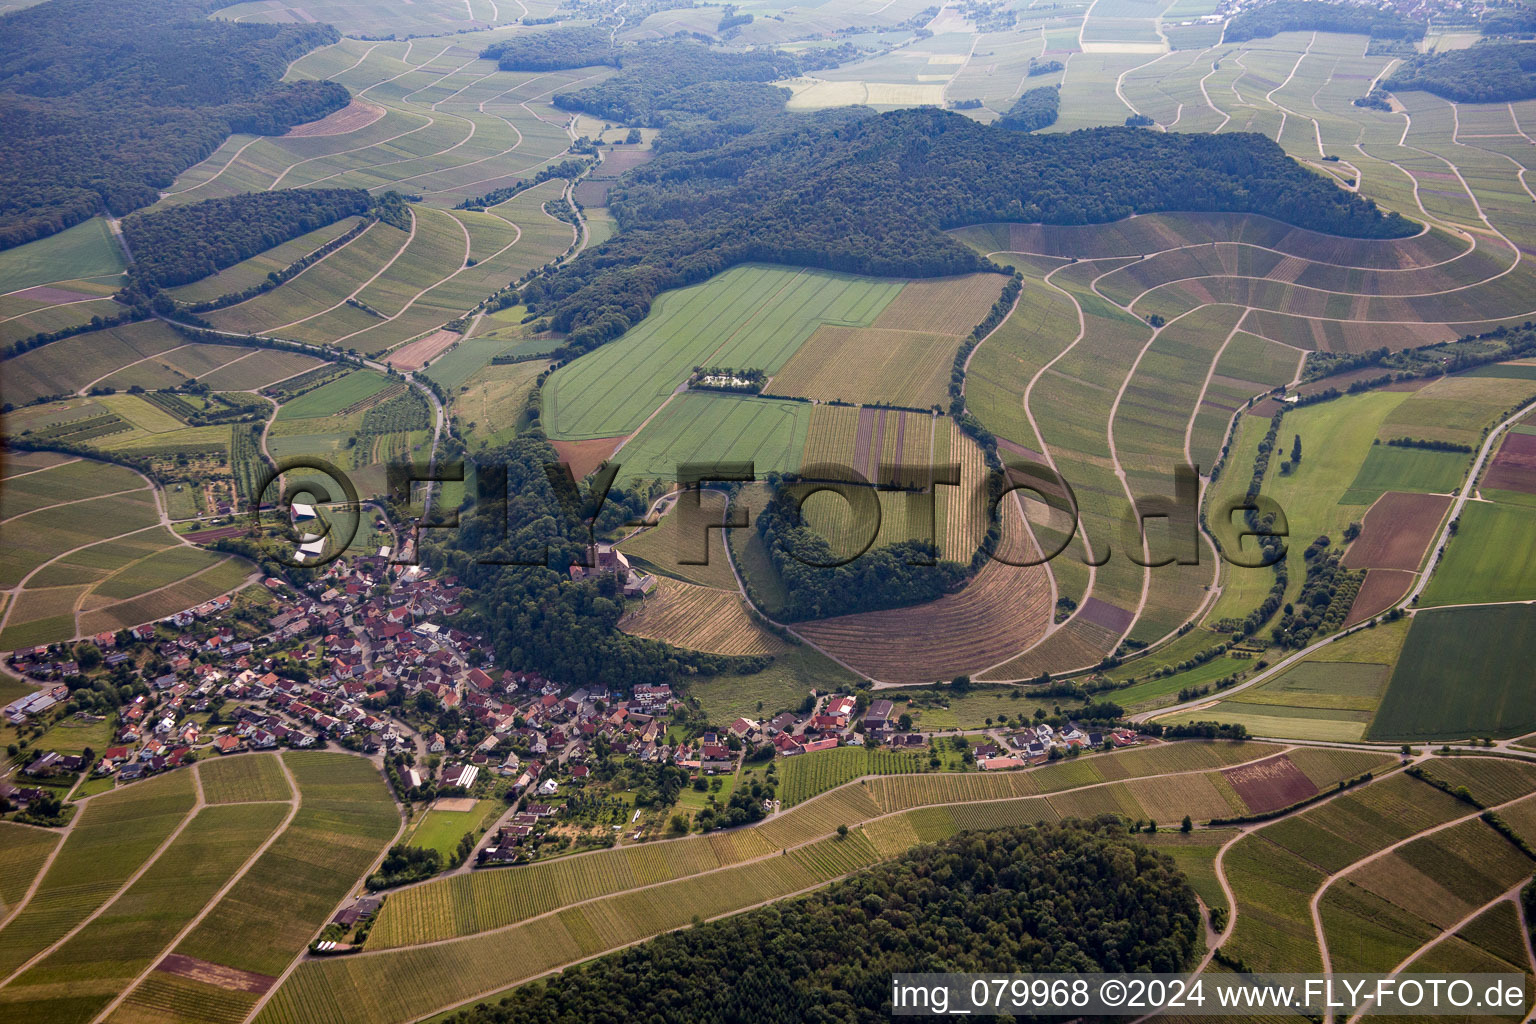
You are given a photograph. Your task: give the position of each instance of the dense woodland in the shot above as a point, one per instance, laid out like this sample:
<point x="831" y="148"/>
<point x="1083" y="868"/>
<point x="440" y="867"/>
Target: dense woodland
<point x="102" y="109"/>
<point x="1517" y="19"/>
<point x="1486" y="73"/>
<point x="884" y="577"/>
<point x="1320" y="16"/>
<point x="874" y="194"/>
<point x="556" y="50"/>
<point x="181" y="244"/>
<point x="534" y="615"/>
<point x="1057" y="898"/>
<point x="677" y="83"/>
<point x="705" y="96"/>
<point x="1035" y="109"/>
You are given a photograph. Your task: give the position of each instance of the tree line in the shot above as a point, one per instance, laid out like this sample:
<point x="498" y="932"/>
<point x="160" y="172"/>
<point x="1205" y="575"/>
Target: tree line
<point x="874" y="194"/>
<point x="105" y="105"/>
<point x="1486" y="73"/>
<point x="889" y="576"/>
<point x="557" y="50"/>
<point x="1074" y="897"/>
<point x="1266" y="20"/>
<point x="181" y="244"/>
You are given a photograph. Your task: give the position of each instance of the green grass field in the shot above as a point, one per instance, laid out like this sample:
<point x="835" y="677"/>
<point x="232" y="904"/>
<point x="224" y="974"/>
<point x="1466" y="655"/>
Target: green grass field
<point x="345" y="822"/>
<point x="708" y="428"/>
<point x="83" y="251"/>
<point x="779" y="687"/>
<point x="127" y="937"/>
<point x="1464" y="672"/>
<point x="1391" y="468"/>
<point x="806" y="775"/>
<point x="1336" y="441"/>
<point x="441" y="830"/>
<point x="1491" y="558"/>
<point x="748" y="317"/>
<point x="335" y="396"/>
<point x="27" y="848"/>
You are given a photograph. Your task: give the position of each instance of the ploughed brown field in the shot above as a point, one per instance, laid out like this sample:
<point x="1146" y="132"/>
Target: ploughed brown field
<point x="1514" y="468"/>
<point x="419" y="353"/>
<point x="585" y="456"/>
<point x="1381" y="590"/>
<point x="1270" y="784"/>
<point x="217" y="975"/>
<point x="1397" y="530"/>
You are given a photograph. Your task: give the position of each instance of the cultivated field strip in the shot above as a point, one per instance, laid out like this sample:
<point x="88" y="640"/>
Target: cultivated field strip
<point x="129" y="934"/>
<point x="1380" y="889"/>
<point x="447" y="137"/>
<point x="1003" y="609"/>
<point x="115" y="835"/>
<point x="700" y="619"/>
<point x="345" y="820"/>
<point x="1459" y="169"/>
<point x="397" y="984"/>
<point x="464" y="904"/>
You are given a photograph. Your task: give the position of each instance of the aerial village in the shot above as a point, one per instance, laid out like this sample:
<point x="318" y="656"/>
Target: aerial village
<point x="362" y="658"/>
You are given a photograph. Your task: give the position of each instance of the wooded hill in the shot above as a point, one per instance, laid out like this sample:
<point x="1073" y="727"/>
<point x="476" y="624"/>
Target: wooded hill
<point x="873" y="194"/>
<point x="1035" y="109"/>
<point x="556" y="50"/>
<point x="1050" y="898"/>
<point x="1320" y="16"/>
<point x="891" y="576"/>
<point x="181" y="244"/>
<point x="704" y="96"/>
<point x="105" y="103"/>
<point x="1485" y="73"/>
<point x="535" y="615"/>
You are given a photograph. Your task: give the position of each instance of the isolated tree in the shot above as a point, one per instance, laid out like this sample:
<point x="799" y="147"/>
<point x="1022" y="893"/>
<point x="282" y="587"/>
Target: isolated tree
<point x="1296" y="449"/>
<point x="1186" y="826"/>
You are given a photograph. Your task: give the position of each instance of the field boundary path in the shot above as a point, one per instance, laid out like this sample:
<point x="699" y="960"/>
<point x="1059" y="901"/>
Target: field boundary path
<point x="294" y="801"/>
<point x="198" y="803"/>
<point x="1276" y="669"/>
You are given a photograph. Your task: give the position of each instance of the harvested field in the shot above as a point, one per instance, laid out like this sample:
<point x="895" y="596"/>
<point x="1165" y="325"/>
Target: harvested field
<point x="585" y="456"/>
<point x="869" y="365"/>
<point x="943" y="305"/>
<point x="355" y="115"/>
<point x="416" y="354"/>
<point x="698" y="618"/>
<point x="1381" y="590"/>
<point x="1270" y="784"/>
<point x="1514" y="468"/>
<point x="1397" y="530"/>
<point x="1003" y="610"/>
